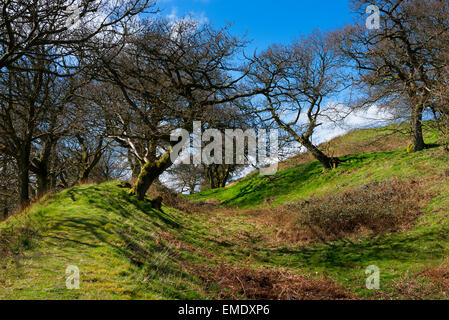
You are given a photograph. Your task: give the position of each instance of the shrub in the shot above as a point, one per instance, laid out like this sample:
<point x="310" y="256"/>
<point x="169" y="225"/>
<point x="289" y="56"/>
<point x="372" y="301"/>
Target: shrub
<point x="377" y="207"/>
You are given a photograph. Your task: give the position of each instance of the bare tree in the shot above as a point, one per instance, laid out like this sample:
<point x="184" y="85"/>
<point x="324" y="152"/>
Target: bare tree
<point x="187" y="178"/>
<point x="394" y="62"/>
<point x="29" y="24"/>
<point x="168" y="77"/>
<point x="25" y="103"/>
<point x="297" y="80"/>
<point x="40" y="53"/>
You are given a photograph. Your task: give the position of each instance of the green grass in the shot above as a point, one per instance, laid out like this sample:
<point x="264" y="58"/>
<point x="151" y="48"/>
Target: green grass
<point x="309" y="179"/>
<point x="112" y="238"/>
<point x="397" y="254"/>
<point x="126" y="250"/>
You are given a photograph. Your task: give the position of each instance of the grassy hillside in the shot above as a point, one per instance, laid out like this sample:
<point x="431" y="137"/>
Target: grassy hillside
<point x="304" y="177"/>
<point x="115" y="241"/>
<point x="254" y="245"/>
<point x="124" y="249"/>
<point x="308" y="179"/>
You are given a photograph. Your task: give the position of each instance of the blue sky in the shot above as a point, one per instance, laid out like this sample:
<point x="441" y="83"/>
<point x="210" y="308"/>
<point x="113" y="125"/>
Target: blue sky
<point x="268" y="22"/>
<point x="265" y="22"/>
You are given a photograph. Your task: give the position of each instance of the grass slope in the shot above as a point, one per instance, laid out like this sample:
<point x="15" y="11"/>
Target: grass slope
<point x="113" y="239"/>
<point x="308" y="179"/>
<point x="126" y="250"/>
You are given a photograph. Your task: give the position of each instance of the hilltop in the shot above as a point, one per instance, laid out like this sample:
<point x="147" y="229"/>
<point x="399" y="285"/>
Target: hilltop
<point x="260" y="238"/>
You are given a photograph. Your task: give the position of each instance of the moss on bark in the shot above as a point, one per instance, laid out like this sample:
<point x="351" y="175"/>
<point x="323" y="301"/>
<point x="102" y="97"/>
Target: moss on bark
<point x="149" y="173"/>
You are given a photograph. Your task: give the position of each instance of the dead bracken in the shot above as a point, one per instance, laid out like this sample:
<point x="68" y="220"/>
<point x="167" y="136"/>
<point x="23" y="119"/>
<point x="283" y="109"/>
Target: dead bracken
<point x="266" y="284"/>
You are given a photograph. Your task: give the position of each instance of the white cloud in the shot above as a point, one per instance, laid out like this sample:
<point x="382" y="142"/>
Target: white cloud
<point x="198" y="17"/>
<point x="189" y="23"/>
<point x="338" y="120"/>
<point x="373" y="116"/>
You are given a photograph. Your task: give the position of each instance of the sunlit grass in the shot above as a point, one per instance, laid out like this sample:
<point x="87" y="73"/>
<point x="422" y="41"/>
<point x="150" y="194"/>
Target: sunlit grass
<point x="126" y="250"/>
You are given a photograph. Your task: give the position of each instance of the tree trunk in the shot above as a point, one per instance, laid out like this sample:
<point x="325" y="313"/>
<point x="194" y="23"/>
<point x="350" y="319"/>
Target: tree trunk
<point x="86" y="170"/>
<point x="5" y="210"/>
<point x="218" y="175"/>
<point x="42" y="184"/>
<point x="225" y="177"/>
<point x="327" y="162"/>
<point x="24" y="182"/>
<point x="418" y="139"/>
<point x="150" y="173"/>
<point x="52" y="181"/>
<point x="88" y="162"/>
<point x="211" y="173"/>
<point x="5" y="192"/>
<point x="40" y="168"/>
<point x="64" y="183"/>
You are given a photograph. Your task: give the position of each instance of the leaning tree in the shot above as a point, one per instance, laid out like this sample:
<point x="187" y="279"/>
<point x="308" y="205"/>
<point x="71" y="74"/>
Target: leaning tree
<point x="297" y="80"/>
<point x="165" y="78"/>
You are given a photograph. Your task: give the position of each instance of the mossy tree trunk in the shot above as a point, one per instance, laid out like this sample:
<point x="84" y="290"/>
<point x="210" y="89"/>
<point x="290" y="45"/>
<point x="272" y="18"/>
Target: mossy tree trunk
<point x="149" y="174"/>
<point x="218" y="175"/>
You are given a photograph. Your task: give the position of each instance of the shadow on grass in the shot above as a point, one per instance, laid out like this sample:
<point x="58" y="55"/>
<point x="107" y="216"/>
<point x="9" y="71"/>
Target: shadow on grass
<point x="82" y="228"/>
<point x="433" y="145"/>
<point x="402" y="248"/>
<point x="259" y="188"/>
